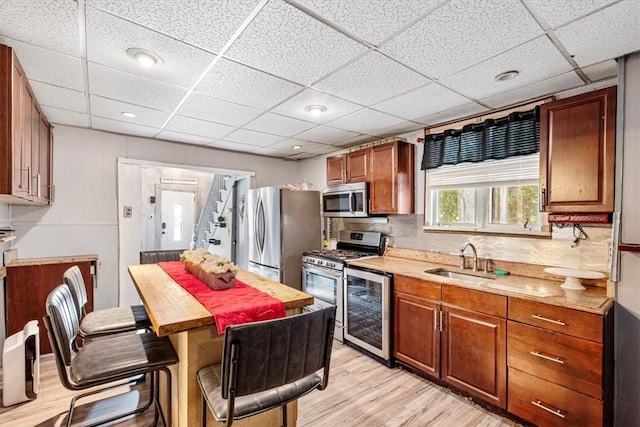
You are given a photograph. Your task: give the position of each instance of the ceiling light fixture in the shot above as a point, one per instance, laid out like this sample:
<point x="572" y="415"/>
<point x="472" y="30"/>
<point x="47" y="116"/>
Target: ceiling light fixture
<point x="296" y="147"/>
<point x="128" y="114"/>
<point x="507" y="75"/>
<point x="315" y="110"/>
<point x="144" y="57"/>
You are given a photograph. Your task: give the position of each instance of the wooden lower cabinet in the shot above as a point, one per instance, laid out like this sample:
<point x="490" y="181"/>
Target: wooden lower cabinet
<point x="548" y="404"/>
<point x="27" y="288"/>
<point x="417" y="340"/>
<point x="474" y="354"/>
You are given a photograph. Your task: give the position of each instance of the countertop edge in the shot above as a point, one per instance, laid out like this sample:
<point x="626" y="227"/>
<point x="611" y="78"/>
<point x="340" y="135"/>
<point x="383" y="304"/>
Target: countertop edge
<point x="21" y="262"/>
<point x="3" y="273"/>
<point x="415" y="269"/>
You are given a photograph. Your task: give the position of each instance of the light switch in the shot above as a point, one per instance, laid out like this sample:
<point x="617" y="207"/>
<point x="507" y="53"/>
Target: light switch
<point x="128" y="211"/>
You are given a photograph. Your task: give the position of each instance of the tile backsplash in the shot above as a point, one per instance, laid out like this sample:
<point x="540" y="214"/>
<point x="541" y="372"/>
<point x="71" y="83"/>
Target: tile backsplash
<point x="406" y="232"/>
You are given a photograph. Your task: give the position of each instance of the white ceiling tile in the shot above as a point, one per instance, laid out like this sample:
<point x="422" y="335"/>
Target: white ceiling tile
<point x="365" y="121"/>
<point x="59" y="97"/>
<point x="111" y="109"/>
<point x="288" y="43"/>
<point x="184" y="137"/>
<point x="280" y="125"/>
<point x="422" y="102"/>
<point x="325" y="149"/>
<point x="536" y="60"/>
<point x="536" y="90"/>
<point x="114" y="84"/>
<point x="455" y="113"/>
<point x="305" y="146"/>
<point x="579" y="90"/>
<point x="463" y="33"/>
<point x="336" y="107"/>
<point x="557" y="13"/>
<point x="601" y="70"/>
<point x="65" y="117"/>
<point x="586" y="40"/>
<point x="47" y="66"/>
<point x="250" y="137"/>
<point x="237" y="83"/>
<point x="370" y="79"/>
<point x="48" y="23"/>
<point x="101" y="123"/>
<point x="109" y="37"/>
<point x="361" y="139"/>
<point x="327" y="135"/>
<point x="235" y="146"/>
<point x="396" y="130"/>
<point x="216" y="110"/>
<point x="371" y="20"/>
<point x="198" y="127"/>
<point x="300" y="156"/>
<point x="272" y="152"/>
<point x="205" y="23"/>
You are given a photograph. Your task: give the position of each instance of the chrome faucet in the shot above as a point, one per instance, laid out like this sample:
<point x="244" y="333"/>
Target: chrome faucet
<point x="475" y="256"/>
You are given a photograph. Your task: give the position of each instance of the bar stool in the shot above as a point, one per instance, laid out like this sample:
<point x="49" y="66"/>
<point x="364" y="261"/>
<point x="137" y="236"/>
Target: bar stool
<point x="268" y="364"/>
<point x="104" y="321"/>
<point x="107" y="361"/>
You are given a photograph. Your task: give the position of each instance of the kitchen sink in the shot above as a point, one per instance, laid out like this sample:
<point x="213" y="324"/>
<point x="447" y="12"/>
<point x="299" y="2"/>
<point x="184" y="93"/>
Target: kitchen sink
<point x="457" y="275"/>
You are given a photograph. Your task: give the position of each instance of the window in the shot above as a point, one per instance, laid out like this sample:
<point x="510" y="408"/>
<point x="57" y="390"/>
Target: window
<point x="491" y="196"/>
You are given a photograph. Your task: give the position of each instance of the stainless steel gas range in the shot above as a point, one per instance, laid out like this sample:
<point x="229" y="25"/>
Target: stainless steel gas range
<point x="322" y="271"/>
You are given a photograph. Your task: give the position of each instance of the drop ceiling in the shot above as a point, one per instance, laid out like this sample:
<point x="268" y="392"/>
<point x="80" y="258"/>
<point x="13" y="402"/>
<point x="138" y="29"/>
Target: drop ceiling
<point x="238" y="74"/>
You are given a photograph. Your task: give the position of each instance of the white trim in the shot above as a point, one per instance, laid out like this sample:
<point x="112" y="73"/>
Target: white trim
<point x="126" y="160"/>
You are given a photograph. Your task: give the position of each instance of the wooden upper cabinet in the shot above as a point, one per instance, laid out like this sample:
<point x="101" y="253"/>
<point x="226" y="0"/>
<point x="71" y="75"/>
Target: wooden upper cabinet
<point x="336" y="171"/>
<point x="391" y="189"/>
<point x="577" y="152"/>
<point x="358" y="166"/>
<point x="25" y="137"/>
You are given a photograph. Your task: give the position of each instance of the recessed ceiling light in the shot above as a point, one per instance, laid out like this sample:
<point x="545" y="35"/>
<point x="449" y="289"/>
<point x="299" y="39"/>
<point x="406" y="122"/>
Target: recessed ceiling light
<point x="314" y="110"/>
<point x="507" y="75"/>
<point x="296" y="147"/>
<point x="144" y="57"/>
<point x="128" y="114"/>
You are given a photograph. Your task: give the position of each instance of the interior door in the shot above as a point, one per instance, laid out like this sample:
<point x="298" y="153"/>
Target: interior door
<point x="177" y="218"/>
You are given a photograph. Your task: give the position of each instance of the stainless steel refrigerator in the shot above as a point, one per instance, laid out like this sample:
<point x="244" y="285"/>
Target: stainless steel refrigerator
<point x="282" y="224"/>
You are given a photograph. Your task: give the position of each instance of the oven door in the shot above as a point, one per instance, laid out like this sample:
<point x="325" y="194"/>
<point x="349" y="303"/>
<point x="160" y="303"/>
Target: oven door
<point x="325" y="285"/>
<point x="367" y="311"/>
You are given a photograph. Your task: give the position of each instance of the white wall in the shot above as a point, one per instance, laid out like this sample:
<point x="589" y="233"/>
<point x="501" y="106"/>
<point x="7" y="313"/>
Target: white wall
<point x="83" y="218"/>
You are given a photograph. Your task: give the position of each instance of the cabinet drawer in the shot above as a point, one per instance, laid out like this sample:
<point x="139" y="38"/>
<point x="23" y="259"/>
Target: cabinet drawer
<point x="547" y="404"/>
<point x="572" y="362"/>
<point x="417" y="287"/>
<point x="483" y="302"/>
<point x="571" y="322"/>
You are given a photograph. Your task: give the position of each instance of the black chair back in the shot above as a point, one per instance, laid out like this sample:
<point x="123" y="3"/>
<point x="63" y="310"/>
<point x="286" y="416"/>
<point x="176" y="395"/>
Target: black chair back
<point x="265" y="355"/>
<point x="62" y="318"/>
<point x="74" y="280"/>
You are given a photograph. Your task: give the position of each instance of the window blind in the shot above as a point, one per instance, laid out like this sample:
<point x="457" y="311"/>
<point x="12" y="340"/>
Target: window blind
<point x="511" y="171"/>
<point x="514" y="135"/>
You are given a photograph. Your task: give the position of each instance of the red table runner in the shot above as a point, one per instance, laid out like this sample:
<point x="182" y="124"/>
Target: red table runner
<point x="240" y="304"/>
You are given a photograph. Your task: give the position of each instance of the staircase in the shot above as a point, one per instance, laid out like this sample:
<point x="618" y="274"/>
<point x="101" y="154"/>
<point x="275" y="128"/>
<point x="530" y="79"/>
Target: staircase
<point x="210" y="232"/>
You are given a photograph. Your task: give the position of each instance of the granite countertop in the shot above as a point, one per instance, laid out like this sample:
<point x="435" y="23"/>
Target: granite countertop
<point x="20" y="262"/>
<point x="593" y="299"/>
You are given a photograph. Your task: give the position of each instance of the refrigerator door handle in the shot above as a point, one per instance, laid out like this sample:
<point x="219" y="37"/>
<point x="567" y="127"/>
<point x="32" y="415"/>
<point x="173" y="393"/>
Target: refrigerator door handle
<point x="260" y="227"/>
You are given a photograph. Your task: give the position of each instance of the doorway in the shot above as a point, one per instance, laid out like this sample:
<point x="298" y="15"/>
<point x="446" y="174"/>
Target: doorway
<point x="176" y="219"/>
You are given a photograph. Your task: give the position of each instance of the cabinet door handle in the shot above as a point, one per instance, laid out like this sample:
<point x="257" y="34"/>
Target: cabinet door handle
<point x="556" y="412"/>
<point x="38" y="183"/>
<point x="440" y="321"/>
<point x="29" y="180"/>
<point x="544" y="356"/>
<point x="541" y="203"/>
<point x="557" y="322"/>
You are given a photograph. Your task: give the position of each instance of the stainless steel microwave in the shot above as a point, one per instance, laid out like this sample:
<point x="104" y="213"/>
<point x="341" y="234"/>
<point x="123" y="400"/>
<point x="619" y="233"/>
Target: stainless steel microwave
<point x="347" y="200"/>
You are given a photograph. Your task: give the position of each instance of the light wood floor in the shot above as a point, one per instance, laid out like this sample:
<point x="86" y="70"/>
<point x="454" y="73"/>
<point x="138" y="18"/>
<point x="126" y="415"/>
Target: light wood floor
<point x="361" y="392"/>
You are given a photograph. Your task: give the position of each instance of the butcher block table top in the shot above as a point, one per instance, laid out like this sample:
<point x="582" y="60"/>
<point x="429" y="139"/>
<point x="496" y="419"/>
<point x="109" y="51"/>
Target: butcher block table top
<point x="172" y="309"/>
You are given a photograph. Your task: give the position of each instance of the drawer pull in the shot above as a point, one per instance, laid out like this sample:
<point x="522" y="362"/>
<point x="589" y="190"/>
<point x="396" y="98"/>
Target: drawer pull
<point x="557" y="322"/>
<point x="544" y="356"/>
<point x="556" y="412"/>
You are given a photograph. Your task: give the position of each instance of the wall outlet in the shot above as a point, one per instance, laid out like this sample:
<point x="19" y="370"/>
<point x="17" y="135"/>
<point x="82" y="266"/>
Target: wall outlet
<point x="127" y="212"/>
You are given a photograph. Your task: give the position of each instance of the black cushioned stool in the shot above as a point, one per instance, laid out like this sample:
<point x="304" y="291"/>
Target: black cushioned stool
<point x="107" y="361"/>
<point x="104" y="321"/>
<point x="268" y="364"/>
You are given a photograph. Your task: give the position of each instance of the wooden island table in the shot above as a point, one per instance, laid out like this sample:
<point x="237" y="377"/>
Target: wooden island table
<point x="175" y="313"/>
